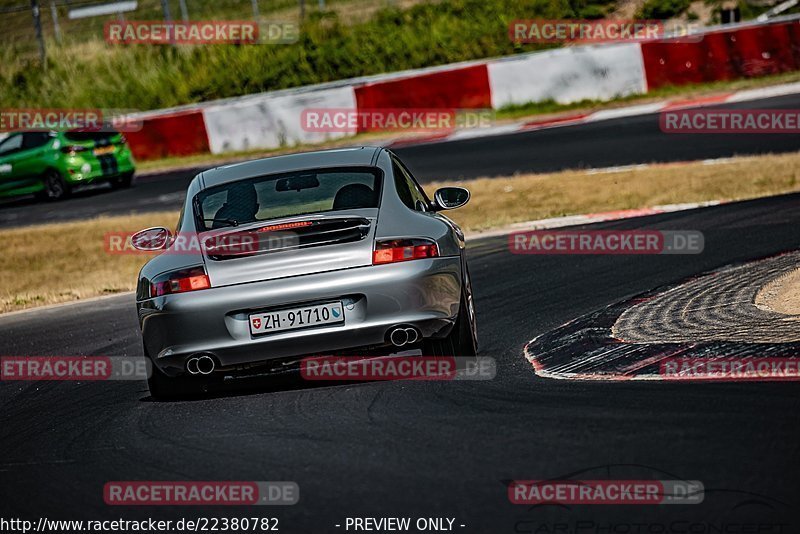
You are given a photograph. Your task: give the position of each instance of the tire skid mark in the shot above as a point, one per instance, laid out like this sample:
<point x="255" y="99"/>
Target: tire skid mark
<point x="707" y="316"/>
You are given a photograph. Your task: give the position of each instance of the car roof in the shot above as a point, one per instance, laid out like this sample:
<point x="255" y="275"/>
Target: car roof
<point x="343" y="157"/>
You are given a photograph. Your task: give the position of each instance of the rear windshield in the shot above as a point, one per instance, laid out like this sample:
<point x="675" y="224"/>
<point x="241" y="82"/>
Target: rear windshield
<point x="90" y="136"/>
<point x="286" y="195"/>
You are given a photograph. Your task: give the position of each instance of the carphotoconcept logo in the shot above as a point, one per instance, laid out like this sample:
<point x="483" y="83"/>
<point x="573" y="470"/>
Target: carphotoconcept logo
<point x="214" y="493"/>
<point x="606" y="242"/>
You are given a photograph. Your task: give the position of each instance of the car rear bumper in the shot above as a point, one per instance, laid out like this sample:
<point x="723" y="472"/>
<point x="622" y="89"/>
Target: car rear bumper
<point x="87" y="170"/>
<point x="422" y="293"/>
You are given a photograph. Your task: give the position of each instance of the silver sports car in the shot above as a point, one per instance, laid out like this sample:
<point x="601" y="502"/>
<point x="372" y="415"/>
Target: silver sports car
<point x="336" y="252"/>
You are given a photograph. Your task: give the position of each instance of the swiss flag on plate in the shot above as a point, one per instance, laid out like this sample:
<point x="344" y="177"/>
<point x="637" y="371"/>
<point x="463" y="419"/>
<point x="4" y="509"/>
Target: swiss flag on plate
<point x="256" y="323"/>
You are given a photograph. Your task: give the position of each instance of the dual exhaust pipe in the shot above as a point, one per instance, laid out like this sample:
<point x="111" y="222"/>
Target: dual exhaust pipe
<point x="201" y="365"/>
<point x="205" y="364"/>
<point x="401" y="336"/>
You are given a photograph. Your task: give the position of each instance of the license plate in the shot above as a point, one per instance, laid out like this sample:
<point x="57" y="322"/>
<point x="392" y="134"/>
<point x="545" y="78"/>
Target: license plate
<point x="294" y="318"/>
<point x="99" y="151"/>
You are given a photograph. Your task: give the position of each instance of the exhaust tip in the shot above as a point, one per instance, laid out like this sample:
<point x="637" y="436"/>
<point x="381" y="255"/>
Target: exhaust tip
<point x="192" y="367"/>
<point x="398" y="337"/>
<point x="401" y="336"/>
<point x="413" y="336"/>
<point x="205" y="365"/>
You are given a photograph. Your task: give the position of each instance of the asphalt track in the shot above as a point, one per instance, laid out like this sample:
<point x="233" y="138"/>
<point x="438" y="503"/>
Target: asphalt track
<point x="441" y="449"/>
<point x="625" y="141"/>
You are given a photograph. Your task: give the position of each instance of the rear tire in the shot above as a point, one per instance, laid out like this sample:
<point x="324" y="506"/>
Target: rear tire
<point x="55" y="187"/>
<point x="463" y="339"/>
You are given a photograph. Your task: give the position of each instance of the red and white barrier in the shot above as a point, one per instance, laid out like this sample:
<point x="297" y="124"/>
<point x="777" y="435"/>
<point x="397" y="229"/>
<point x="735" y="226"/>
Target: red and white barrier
<point x="461" y="87"/>
<point x="172" y="133"/>
<point x="744" y="52"/>
<point x="269" y="121"/>
<point x="565" y="75"/>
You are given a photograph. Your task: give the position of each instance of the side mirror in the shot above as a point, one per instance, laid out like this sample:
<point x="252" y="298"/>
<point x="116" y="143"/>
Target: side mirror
<point x="156" y="238"/>
<point x="448" y="198"/>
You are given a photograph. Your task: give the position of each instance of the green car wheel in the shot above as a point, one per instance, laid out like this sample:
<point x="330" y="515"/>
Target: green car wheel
<point x="55" y="188"/>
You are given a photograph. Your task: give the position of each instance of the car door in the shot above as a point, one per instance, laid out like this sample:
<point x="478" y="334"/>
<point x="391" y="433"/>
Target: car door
<point x="10" y="149"/>
<point x="24" y="163"/>
<point x="32" y="159"/>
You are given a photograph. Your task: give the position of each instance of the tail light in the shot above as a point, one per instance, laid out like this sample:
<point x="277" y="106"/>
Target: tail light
<point x="73" y="149"/>
<point x="394" y="250"/>
<point x="179" y="282"/>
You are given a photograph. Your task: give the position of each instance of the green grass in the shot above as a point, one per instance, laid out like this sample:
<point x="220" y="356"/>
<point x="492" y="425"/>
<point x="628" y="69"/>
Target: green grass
<point x="349" y="39"/>
<point x="331" y="47"/>
<point x="663" y="9"/>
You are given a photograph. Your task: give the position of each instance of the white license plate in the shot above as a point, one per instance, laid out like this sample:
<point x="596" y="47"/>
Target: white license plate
<point x="294" y="318"/>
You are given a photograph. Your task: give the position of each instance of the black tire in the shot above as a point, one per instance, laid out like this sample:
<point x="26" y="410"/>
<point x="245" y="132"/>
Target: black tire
<point x="463" y="338"/>
<point x="55" y="187"/>
<point x="122" y="181"/>
<point x="163" y="387"/>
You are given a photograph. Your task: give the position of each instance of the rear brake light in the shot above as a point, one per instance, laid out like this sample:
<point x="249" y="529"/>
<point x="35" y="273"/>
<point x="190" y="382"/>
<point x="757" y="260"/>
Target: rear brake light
<point x="395" y="250"/>
<point x="179" y="282"/>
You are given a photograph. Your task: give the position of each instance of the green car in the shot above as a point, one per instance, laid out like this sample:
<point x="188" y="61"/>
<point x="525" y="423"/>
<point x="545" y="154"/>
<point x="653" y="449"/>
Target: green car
<point x="51" y="164"/>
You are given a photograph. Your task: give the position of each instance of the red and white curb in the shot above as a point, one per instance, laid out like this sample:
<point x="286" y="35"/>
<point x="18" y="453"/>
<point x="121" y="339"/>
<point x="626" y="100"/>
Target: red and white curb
<point x="542" y="372"/>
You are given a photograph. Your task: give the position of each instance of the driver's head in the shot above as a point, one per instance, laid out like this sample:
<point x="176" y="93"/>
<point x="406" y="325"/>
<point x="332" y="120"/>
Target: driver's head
<point x="242" y="201"/>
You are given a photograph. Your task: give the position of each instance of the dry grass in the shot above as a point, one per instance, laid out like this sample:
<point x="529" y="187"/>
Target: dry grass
<point x="501" y="201"/>
<point x="64" y="262"/>
<point x="54" y="263"/>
